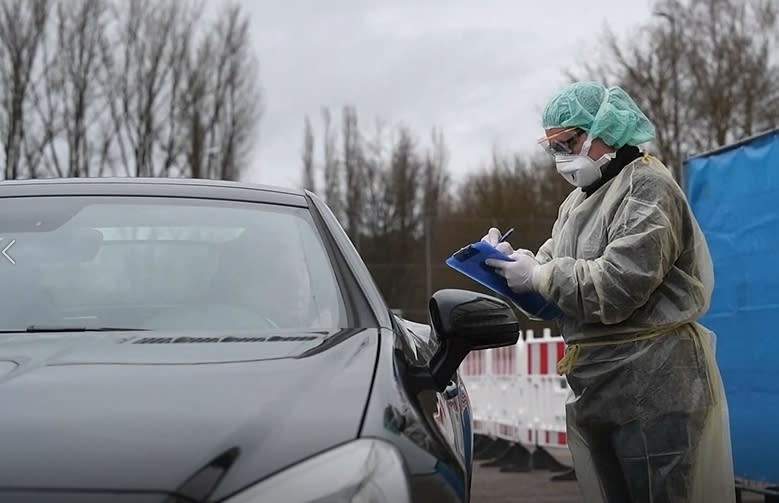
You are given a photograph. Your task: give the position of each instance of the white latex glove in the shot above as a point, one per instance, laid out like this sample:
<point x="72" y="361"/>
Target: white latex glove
<point x="523" y="252"/>
<point x="493" y="236"/>
<point x="505" y="247"/>
<point x="518" y="273"/>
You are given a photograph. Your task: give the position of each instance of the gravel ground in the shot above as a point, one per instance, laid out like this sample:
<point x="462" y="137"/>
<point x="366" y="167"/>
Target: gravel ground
<point x="490" y="485"/>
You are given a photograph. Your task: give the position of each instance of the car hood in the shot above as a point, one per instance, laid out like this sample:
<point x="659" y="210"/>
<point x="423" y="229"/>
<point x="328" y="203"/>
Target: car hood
<point x="147" y="411"/>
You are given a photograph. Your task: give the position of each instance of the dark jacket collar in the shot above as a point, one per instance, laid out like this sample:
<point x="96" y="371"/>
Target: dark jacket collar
<point x="625" y="156"/>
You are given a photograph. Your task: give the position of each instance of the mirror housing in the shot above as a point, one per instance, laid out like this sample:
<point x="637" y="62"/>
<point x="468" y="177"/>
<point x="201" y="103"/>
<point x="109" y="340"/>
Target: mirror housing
<point x="466" y="321"/>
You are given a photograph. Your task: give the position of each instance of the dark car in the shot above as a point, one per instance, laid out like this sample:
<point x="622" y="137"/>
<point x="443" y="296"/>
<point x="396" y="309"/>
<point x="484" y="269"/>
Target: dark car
<point x="190" y="340"/>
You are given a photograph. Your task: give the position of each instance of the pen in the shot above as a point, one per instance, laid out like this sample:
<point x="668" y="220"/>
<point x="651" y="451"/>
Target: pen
<point x="506" y="235"/>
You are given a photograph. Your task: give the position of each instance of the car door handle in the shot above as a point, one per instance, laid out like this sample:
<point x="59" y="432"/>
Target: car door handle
<point x="451" y="391"/>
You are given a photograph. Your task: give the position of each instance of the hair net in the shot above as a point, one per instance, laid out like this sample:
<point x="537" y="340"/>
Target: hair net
<point x="608" y="114"/>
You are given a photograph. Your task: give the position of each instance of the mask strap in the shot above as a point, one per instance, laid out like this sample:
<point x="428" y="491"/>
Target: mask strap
<point x="588" y="140"/>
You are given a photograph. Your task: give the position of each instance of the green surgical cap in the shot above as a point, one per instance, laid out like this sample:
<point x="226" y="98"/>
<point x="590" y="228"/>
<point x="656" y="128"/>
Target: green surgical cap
<point x="617" y="120"/>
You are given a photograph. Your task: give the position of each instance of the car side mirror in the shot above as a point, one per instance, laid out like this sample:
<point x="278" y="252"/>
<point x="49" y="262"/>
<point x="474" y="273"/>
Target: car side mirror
<point x="466" y="321"/>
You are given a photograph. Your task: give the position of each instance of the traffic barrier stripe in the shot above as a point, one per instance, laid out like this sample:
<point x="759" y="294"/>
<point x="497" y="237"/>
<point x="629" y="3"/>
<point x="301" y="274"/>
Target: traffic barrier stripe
<point x="555" y="438"/>
<point x="542" y="357"/>
<point x="474" y="364"/>
<point x="516" y="393"/>
<point x="504" y="361"/>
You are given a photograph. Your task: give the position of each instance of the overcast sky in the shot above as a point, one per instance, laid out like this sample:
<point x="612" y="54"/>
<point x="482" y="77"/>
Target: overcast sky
<point x="479" y="70"/>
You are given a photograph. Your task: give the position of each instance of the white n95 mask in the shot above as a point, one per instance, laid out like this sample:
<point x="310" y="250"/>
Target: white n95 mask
<point x="578" y="169"/>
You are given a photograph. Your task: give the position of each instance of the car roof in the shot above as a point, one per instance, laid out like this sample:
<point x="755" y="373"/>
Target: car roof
<point x="159" y="187"/>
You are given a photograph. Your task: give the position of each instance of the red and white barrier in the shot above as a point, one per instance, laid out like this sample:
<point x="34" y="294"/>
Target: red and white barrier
<point x="511" y="413"/>
<point x="517" y="395"/>
<point x="551" y="429"/>
<point x="551" y="392"/>
<point x="477" y="377"/>
<point x="543" y="355"/>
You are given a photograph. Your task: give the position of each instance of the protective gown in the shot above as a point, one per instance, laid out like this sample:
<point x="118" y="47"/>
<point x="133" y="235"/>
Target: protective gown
<point x="631" y="271"/>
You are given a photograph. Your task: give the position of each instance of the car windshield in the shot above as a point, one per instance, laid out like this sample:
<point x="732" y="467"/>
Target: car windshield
<point x="163" y="264"/>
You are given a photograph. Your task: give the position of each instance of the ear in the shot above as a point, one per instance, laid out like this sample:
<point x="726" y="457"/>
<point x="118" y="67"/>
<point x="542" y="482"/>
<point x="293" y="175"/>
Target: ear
<point x="599" y="148"/>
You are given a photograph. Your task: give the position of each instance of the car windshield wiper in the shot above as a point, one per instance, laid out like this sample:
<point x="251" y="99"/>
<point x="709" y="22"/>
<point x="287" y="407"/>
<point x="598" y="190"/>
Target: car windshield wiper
<point x="32" y="329"/>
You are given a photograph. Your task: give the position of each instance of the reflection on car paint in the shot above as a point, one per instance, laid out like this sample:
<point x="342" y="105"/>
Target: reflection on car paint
<point x="204" y="482"/>
<point x="394" y="421"/>
<point x="451" y="478"/>
<point x="467" y="436"/>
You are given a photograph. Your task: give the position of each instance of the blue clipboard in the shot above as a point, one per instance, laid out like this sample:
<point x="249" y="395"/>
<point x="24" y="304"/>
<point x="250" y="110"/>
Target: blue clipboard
<point x="469" y="261"/>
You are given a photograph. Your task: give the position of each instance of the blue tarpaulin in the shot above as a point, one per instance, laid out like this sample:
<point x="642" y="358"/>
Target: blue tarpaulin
<point x="734" y="193"/>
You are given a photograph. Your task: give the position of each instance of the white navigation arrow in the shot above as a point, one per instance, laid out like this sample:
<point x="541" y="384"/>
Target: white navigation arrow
<point x="5" y="251"/>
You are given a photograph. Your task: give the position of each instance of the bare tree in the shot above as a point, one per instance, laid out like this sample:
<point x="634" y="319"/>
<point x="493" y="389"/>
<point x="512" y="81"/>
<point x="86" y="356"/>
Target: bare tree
<point x="22" y="28"/>
<point x="377" y="150"/>
<point x="385" y="188"/>
<point x="221" y="103"/>
<point x="354" y="174"/>
<point x="173" y="141"/>
<point x="704" y="71"/>
<point x="142" y="75"/>
<point x="131" y="87"/>
<point x="71" y="103"/>
<point x="737" y="95"/>
<point x="436" y="178"/>
<point x="234" y="106"/>
<point x="309" y="182"/>
<point x="332" y="172"/>
<point x="403" y="186"/>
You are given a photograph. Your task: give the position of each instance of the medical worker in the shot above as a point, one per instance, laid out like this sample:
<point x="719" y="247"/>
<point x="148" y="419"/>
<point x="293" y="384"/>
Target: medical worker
<point x="630" y="269"/>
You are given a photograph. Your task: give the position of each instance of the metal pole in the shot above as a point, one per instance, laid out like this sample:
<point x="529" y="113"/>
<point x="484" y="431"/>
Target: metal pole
<point x="677" y="161"/>
<point x="675" y="69"/>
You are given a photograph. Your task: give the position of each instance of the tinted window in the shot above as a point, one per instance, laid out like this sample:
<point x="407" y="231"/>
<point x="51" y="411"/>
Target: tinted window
<point x="161" y="263"/>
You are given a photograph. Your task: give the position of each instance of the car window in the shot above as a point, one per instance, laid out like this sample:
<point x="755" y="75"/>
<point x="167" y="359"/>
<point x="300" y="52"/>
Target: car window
<point x="164" y="264"/>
